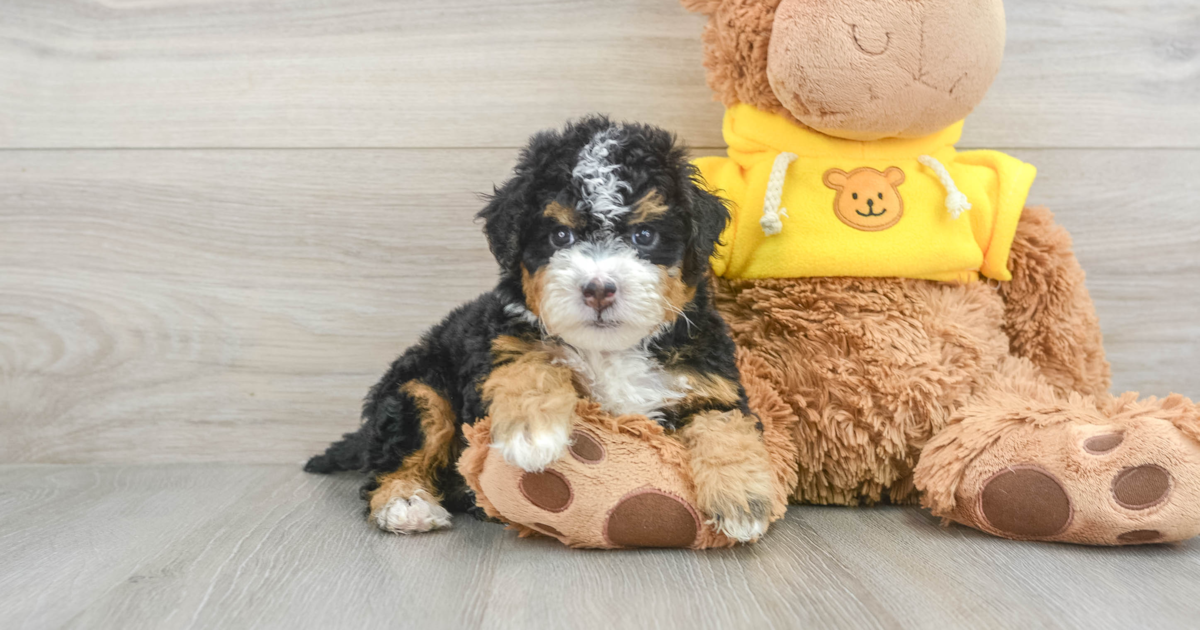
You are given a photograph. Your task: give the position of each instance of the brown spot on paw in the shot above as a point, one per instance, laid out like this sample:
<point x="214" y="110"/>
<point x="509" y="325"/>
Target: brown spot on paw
<point x="1141" y="487"/>
<point x="1140" y="536"/>
<point x="546" y="529"/>
<point x="1100" y="444"/>
<point x="1025" y="501"/>
<point x="548" y="490"/>
<point x="586" y="448"/>
<point x="651" y="518"/>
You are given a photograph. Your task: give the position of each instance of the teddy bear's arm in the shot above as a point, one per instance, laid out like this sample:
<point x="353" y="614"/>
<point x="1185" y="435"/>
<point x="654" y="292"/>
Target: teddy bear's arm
<point x="1049" y="316"/>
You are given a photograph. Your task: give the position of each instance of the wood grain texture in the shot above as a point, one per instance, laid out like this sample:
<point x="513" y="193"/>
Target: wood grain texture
<point x="236" y="305"/>
<point x="1138" y="237"/>
<point x="221" y="304"/>
<point x="468" y="73"/>
<point x="227" y="546"/>
<point x="344" y="73"/>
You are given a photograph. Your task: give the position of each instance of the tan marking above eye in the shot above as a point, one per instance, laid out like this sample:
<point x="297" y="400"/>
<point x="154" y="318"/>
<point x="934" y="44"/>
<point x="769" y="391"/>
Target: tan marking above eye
<point x="562" y="214"/>
<point x="649" y="208"/>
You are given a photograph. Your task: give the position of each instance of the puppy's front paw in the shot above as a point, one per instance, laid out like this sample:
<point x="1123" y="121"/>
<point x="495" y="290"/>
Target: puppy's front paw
<point x="742" y="522"/>
<point x="732" y="472"/>
<point x="533" y="450"/>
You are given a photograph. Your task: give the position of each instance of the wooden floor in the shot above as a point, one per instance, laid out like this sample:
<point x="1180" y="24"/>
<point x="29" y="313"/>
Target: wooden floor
<point x="238" y="546"/>
<point x="221" y="219"/>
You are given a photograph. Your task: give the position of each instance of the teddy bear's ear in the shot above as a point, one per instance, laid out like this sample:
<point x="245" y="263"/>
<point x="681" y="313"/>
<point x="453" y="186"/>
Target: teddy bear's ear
<point x="894" y="176"/>
<point x="707" y="7"/>
<point x="835" y="178"/>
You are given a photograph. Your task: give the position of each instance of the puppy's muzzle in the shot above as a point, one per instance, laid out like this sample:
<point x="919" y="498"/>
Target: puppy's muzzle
<point x="599" y="294"/>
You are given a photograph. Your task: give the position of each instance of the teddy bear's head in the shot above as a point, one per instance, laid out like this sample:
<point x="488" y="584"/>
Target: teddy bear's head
<point x="857" y="69"/>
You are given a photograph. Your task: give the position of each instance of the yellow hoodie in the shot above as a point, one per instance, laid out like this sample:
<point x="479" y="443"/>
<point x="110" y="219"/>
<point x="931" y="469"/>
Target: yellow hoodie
<point x="806" y="204"/>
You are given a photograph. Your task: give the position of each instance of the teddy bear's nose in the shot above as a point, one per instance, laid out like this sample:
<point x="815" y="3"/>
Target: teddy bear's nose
<point x="870" y="203"/>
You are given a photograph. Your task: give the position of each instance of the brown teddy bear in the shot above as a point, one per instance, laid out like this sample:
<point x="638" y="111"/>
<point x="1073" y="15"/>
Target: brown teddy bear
<point x="908" y="329"/>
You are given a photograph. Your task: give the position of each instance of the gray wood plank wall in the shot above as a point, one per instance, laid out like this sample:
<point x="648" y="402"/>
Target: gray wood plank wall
<point x="219" y="221"/>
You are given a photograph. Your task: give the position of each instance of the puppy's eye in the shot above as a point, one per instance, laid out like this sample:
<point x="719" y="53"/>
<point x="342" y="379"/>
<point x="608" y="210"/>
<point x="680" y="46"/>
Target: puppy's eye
<point x="562" y="237"/>
<point x="645" y="238"/>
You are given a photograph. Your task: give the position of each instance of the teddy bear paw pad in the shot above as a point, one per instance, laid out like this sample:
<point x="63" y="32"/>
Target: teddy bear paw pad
<point x="1026" y="502"/>
<point x="548" y="530"/>
<point x="548" y="490"/>
<point x="1140" y="537"/>
<point x="1101" y="444"/>
<point x="1141" y="487"/>
<point x="651" y="518"/>
<point x="586" y="448"/>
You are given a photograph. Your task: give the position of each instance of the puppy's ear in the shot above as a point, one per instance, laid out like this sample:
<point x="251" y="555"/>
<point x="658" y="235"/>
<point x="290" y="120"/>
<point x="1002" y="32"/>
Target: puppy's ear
<point x="502" y="224"/>
<point x="709" y="214"/>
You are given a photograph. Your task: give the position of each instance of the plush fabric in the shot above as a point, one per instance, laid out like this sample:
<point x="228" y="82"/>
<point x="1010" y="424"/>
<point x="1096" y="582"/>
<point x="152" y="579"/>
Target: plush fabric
<point x="1048" y="315"/>
<point x="855" y="69"/>
<point x="1116" y="472"/>
<point x="625" y="482"/>
<point x="904" y="390"/>
<point x="926" y="241"/>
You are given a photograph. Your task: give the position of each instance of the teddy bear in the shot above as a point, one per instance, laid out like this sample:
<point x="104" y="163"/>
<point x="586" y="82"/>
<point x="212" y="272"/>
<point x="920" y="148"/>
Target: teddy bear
<point x="909" y="329"/>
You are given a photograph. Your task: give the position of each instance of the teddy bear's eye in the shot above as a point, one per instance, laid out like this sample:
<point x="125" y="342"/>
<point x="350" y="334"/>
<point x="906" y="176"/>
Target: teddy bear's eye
<point x="856" y="195"/>
<point x="881" y="195"/>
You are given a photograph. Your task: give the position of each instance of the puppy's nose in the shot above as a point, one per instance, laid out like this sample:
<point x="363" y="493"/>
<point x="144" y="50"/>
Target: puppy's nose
<point x="599" y="294"/>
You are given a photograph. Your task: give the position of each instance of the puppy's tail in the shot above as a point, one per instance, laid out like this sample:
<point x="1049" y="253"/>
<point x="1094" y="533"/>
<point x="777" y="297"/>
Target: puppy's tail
<point x="348" y="454"/>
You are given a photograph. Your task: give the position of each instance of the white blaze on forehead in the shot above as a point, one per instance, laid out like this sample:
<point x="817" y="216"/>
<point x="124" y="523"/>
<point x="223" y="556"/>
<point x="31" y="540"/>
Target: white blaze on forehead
<point x="596" y="176"/>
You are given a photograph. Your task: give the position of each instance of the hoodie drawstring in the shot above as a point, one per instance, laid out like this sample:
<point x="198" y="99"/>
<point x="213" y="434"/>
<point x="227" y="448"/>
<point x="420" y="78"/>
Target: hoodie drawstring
<point x="956" y="201"/>
<point x="770" y="221"/>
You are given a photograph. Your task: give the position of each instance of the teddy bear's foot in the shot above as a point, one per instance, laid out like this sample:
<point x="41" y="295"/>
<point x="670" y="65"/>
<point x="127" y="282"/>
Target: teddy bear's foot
<point x="610" y="490"/>
<point x="624" y="483"/>
<point x="1073" y="473"/>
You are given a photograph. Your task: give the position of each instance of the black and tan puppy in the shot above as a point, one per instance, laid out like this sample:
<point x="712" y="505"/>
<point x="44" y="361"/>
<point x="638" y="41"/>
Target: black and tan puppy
<point x="603" y="238"/>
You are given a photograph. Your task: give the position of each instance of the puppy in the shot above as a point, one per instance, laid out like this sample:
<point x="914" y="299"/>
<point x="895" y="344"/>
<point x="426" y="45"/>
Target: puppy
<point x="603" y="237"/>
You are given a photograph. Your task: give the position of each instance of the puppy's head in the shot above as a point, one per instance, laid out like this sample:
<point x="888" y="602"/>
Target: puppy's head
<point x="607" y="229"/>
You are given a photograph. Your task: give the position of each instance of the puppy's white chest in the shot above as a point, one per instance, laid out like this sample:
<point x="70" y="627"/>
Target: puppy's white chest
<point x="628" y="381"/>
